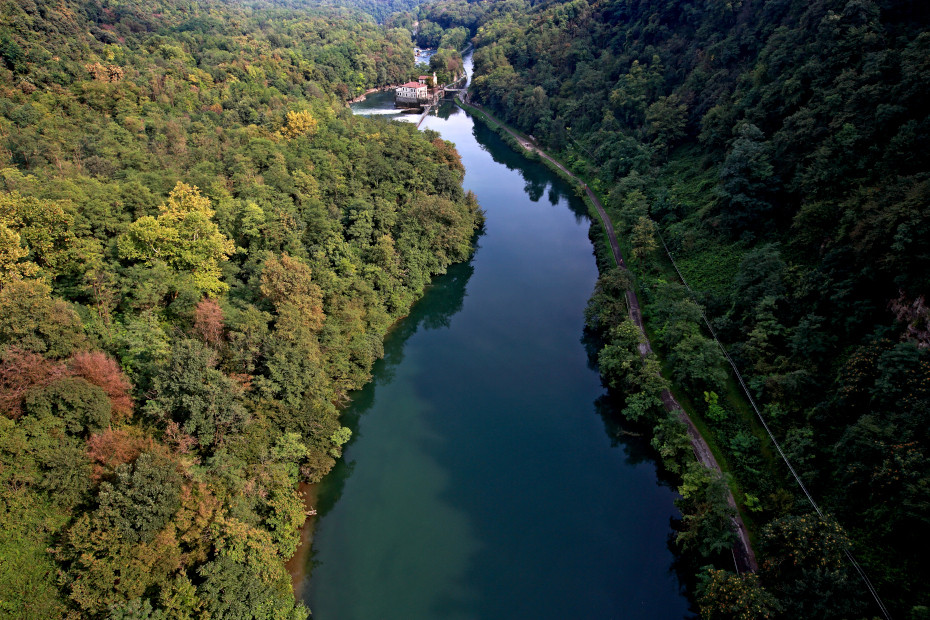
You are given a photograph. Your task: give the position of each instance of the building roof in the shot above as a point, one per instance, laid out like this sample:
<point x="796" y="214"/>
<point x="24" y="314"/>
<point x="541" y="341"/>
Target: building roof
<point x="412" y="85"/>
<point x="424" y="77"/>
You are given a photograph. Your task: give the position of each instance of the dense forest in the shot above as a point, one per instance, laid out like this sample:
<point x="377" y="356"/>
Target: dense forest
<point x="201" y="250"/>
<point x="778" y="151"/>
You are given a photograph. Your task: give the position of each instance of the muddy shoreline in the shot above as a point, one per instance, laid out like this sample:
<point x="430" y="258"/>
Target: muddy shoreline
<point x="298" y="565"/>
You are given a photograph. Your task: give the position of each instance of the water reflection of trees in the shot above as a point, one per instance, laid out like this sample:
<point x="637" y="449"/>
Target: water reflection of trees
<point x="633" y="438"/>
<point x="537" y="178"/>
<point x="448" y="109"/>
<point x="443" y="299"/>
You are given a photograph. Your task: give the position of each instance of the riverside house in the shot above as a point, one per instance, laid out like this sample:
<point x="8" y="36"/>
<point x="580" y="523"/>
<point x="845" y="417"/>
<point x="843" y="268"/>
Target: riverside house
<point x="411" y="93"/>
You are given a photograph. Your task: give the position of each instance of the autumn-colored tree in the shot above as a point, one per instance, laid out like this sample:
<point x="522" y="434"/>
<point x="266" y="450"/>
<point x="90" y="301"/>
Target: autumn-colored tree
<point x="644" y="238"/>
<point x="100" y="370"/>
<point x="447" y="154"/>
<point x="208" y="321"/>
<point x="198" y="512"/>
<point x="12" y="267"/>
<point x="104" y="569"/>
<point x="179" y="441"/>
<point x="725" y="596"/>
<point x="21" y="371"/>
<point x="183" y="236"/>
<point x="82" y="236"/>
<point x="44" y="227"/>
<point x="299" y="124"/>
<point x="287" y="282"/>
<point x="805" y="555"/>
<point x="111" y="448"/>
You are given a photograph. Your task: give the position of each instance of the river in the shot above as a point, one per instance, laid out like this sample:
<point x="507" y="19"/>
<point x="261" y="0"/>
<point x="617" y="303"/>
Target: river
<point x="486" y="477"/>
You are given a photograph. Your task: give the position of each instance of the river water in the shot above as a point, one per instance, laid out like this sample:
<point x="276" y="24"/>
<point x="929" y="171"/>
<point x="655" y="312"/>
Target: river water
<point x="486" y="478"/>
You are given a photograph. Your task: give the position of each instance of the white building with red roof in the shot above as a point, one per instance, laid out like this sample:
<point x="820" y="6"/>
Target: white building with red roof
<point x="413" y="91"/>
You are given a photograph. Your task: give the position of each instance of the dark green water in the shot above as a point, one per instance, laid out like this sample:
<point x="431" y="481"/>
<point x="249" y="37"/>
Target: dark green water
<point x="483" y="479"/>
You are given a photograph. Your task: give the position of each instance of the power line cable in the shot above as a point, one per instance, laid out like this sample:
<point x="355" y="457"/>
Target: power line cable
<point x="752" y="402"/>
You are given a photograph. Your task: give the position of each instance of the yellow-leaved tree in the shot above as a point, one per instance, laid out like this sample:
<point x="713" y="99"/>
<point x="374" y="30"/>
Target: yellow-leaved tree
<point x="35" y="237"/>
<point x="183" y="236"/>
<point x="299" y="124"/>
<point x="11" y="252"/>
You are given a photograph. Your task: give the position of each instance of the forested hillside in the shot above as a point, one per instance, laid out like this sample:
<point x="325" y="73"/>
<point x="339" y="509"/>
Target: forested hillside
<point x="200" y="252"/>
<point x="779" y="149"/>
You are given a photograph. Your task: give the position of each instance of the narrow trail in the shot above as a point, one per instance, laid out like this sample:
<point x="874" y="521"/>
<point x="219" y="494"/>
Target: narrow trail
<point x="743" y="556"/>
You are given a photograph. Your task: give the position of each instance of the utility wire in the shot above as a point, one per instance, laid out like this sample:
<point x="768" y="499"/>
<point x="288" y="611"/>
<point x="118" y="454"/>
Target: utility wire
<point x="849" y="555"/>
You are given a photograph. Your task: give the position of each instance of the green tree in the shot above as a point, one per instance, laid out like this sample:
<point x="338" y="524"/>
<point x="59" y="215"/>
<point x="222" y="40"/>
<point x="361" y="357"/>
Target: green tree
<point x="429" y="34"/>
<point x="82" y="407"/>
<point x="698" y="364"/>
<point x="246" y="563"/>
<point x="448" y="65"/>
<point x="666" y="119"/>
<point x="454" y="38"/>
<point x="285" y="516"/>
<point x="607" y="307"/>
<point x="12" y="54"/>
<point x="144" y="496"/>
<point x="714" y="411"/>
<point x="747" y="181"/>
<point x="671" y="440"/>
<point x="619" y="359"/>
<point x="193" y="393"/>
<point x="761" y="275"/>
<point x="31" y="319"/>
<point x="629" y="97"/>
<point x="707" y="517"/>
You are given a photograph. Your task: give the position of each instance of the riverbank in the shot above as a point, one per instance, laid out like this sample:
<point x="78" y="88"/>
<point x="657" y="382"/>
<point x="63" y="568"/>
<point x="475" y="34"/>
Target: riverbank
<point x="744" y="557"/>
<point x="297" y="566"/>
<point x="379" y="89"/>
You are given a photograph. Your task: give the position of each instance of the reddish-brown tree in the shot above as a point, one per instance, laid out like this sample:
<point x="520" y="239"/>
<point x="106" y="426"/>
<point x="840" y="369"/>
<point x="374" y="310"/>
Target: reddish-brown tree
<point x="111" y="448"/>
<point x="177" y="439"/>
<point x="208" y="321"/>
<point x="104" y="372"/>
<point x="21" y="371"/>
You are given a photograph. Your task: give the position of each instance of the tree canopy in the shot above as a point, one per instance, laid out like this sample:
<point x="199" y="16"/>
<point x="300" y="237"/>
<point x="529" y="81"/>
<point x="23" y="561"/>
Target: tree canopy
<point x="200" y="252"/>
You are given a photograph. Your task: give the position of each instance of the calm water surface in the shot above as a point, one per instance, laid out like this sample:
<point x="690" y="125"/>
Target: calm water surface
<point x="483" y="479"/>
